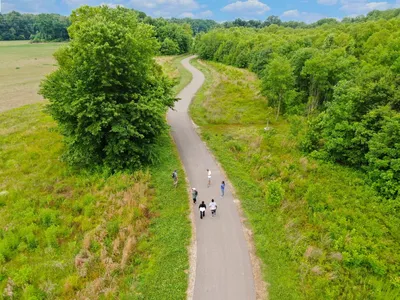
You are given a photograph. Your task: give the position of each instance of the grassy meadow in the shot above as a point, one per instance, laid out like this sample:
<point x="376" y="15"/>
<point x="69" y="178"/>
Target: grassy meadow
<point x="320" y="231"/>
<point x="22" y="66"/>
<point x="67" y="233"/>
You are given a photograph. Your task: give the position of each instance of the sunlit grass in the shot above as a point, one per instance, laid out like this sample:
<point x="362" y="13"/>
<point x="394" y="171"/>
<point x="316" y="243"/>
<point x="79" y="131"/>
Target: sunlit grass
<point x="67" y="233"/>
<point x="22" y="66"/>
<point x="175" y="71"/>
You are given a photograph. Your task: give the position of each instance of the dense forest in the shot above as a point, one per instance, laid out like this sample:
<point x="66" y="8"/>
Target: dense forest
<point x="343" y="76"/>
<point x="271" y="20"/>
<point x="41" y="27"/>
<point x="174" y="35"/>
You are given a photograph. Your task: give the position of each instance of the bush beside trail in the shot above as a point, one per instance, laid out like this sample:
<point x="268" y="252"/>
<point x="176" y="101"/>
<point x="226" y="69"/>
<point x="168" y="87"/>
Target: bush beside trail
<point x="108" y="95"/>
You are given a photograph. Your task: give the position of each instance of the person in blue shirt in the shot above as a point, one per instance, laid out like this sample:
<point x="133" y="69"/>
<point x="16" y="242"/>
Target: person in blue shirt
<point x="222" y="188"/>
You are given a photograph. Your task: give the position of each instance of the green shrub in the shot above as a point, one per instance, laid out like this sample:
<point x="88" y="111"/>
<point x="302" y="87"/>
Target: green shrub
<point x="315" y="197"/>
<point x="275" y="193"/>
<point x="169" y="47"/>
<point x="115" y="116"/>
<point x="48" y="217"/>
<point x="296" y="125"/>
<point x="51" y="235"/>
<point x="235" y="146"/>
<point x="23" y="276"/>
<point x="384" y="158"/>
<point x="33" y="293"/>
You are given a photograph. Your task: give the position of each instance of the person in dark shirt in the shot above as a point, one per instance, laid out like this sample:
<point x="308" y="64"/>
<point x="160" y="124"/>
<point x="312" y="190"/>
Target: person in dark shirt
<point x="175" y="178"/>
<point x="202" y="208"/>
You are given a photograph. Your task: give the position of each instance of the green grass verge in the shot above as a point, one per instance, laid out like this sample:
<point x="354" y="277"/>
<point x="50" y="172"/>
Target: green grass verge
<point x="75" y="234"/>
<point x="319" y="230"/>
<point x="173" y="68"/>
<point x="164" y="276"/>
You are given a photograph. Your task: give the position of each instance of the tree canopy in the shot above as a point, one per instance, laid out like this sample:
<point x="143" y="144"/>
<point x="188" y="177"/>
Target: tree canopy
<point x="108" y="95"/>
<point x="275" y="20"/>
<point x="53" y="27"/>
<point x="41" y="27"/>
<point x="344" y="76"/>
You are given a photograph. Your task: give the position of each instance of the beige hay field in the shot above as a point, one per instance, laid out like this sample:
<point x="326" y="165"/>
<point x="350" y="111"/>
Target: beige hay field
<point x="22" y="67"/>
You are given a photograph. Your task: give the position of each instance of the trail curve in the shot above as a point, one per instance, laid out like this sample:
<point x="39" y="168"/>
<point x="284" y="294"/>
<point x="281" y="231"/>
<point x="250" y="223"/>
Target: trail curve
<point x="223" y="265"/>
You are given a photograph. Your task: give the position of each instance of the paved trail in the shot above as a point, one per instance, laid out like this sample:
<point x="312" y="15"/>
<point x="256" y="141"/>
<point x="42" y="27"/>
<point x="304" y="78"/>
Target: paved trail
<point x="223" y="268"/>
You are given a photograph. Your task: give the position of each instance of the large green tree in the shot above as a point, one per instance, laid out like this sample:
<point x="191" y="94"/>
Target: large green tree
<point x="108" y="96"/>
<point x="278" y="82"/>
<point x="344" y="75"/>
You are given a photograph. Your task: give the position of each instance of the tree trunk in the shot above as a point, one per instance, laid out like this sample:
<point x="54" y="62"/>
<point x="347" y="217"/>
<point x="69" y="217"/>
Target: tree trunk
<point x="279" y="105"/>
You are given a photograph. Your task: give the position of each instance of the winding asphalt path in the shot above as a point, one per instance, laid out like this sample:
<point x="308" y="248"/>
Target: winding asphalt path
<point x="223" y="268"/>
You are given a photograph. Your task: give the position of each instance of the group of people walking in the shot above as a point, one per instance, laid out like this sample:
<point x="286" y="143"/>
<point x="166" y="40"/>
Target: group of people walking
<point x="203" y="207"/>
<point x="213" y="205"/>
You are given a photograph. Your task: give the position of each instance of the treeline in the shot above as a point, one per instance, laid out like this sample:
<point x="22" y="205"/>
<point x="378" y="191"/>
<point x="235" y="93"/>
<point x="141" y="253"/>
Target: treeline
<point x="271" y="20"/>
<point x="174" y="35"/>
<point x="198" y="25"/>
<point x="344" y="76"/>
<point x="41" y="27"/>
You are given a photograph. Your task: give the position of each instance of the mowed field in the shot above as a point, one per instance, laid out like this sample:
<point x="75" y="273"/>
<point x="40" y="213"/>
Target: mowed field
<point x="22" y="67"/>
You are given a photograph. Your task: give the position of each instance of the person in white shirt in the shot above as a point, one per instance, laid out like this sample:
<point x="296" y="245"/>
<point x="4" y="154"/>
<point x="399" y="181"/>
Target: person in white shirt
<point x="213" y="207"/>
<point x="209" y="177"/>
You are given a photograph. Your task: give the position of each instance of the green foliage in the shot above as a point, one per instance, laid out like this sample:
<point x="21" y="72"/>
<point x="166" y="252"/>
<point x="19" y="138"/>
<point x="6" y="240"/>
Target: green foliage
<point x="52" y="216"/>
<point x="316" y="198"/>
<point x="53" y="27"/>
<point x="343" y="75"/>
<point x="180" y="35"/>
<point x="275" y="20"/>
<point x="278" y="83"/>
<point x="384" y="156"/>
<point x="50" y="27"/>
<point x="197" y="25"/>
<point x="329" y="235"/>
<point x="39" y="28"/>
<point x="169" y="47"/>
<point x="108" y="96"/>
<point x="175" y="71"/>
<point x="275" y="193"/>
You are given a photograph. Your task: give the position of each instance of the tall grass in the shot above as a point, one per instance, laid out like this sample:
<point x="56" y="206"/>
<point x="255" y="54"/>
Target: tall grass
<point x="68" y="233"/>
<point x="320" y="231"/>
